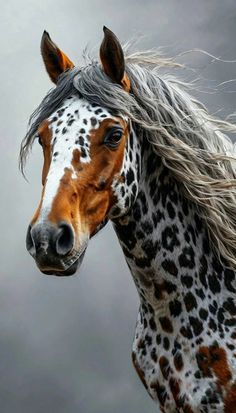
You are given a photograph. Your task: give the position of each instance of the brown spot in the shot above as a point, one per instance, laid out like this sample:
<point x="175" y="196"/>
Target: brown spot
<point x="140" y="372"/>
<point x="166" y="324"/>
<point x="141" y="344"/>
<point x="178" y="361"/>
<point x="175" y="390"/>
<point x="160" y="392"/>
<point x="220" y="365"/>
<point x="164" y="367"/>
<point x="187" y="409"/>
<point x="203" y="361"/>
<point x="212" y="361"/>
<point x="230" y="400"/>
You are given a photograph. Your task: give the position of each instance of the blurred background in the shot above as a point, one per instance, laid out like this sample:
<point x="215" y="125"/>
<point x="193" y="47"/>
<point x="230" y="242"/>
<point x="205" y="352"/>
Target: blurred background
<point x="65" y="344"/>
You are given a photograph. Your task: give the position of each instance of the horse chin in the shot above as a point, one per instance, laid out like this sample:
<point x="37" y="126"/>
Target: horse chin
<point x="69" y="271"/>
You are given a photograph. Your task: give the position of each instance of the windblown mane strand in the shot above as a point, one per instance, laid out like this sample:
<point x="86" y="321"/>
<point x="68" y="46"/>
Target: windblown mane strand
<point x="52" y="101"/>
<point x="191" y="143"/>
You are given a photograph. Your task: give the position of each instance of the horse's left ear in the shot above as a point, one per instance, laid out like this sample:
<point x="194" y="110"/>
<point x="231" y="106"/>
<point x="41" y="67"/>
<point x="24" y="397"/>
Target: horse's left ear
<point x="112" y="58"/>
<point x="56" y="62"/>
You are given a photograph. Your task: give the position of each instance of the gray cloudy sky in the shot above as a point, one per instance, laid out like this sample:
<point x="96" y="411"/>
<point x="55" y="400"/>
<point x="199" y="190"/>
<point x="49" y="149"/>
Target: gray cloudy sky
<point x="65" y="344"/>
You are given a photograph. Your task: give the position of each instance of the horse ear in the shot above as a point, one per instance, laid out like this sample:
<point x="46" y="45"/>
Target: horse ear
<point x="56" y="62"/>
<point x="112" y="58"/>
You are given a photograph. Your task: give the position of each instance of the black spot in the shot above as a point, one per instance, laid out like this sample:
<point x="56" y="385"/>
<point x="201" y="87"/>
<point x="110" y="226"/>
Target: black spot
<point x="200" y="293"/>
<point x="229" y="305"/>
<point x="143" y="202"/>
<point x="170" y="267"/>
<point x="154" y="355"/>
<point x="192" y="233"/>
<point x="130" y="176"/>
<point x="203" y="313"/>
<point x="175" y="307"/>
<point x="203" y="271"/>
<point x="82" y="130"/>
<point x="214" y="284"/>
<point x="55" y="154"/>
<point x="158" y="216"/>
<point x="148" y="340"/>
<point x="151" y="164"/>
<point x="169" y="238"/>
<point x="197" y="374"/>
<point x="147" y="227"/>
<point x="136" y="211"/>
<point x="93" y="121"/>
<point x="186" y="332"/>
<point x="134" y="189"/>
<point x="150" y="248"/>
<point x="127" y="202"/>
<point x="186" y="281"/>
<point x="98" y="111"/>
<point x="166" y="343"/>
<point x="69" y="122"/>
<point x="170" y="210"/>
<point x="64" y="130"/>
<point x="152" y="324"/>
<point x="186" y="258"/>
<point x="229" y="278"/>
<point x="185" y="206"/>
<point x="190" y="301"/>
<point x="122" y="190"/>
<point x="212" y="325"/>
<point x="196" y="325"/>
<point x="206" y="245"/>
<point x="131" y="140"/>
<point x="158" y="339"/>
<point x="81" y="140"/>
<point x="212" y="309"/>
<point x="220" y="315"/>
<point x="139" y="234"/>
<point x="230" y="322"/>
<point x="83" y="153"/>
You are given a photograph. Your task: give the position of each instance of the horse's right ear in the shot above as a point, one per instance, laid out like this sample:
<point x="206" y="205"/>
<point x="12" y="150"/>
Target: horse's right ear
<point x="112" y="58"/>
<point x="56" y="62"/>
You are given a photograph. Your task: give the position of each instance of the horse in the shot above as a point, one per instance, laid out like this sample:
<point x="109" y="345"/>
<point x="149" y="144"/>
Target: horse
<point x="125" y="141"/>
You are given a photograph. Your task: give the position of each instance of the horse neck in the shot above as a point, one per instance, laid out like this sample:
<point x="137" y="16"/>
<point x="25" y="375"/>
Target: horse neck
<point x="166" y="245"/>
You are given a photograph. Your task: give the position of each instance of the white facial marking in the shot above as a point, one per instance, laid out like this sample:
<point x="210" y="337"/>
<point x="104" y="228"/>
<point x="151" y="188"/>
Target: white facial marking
<point x="70" y="126"/>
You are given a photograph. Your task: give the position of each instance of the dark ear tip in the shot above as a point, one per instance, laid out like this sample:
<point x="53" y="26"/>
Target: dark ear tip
<point x="45" y="34"/>
<point x="105" y="29"/>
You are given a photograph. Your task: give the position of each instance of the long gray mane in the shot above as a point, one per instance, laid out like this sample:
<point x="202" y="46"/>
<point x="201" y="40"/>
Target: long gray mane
<point x="191" y="143"/>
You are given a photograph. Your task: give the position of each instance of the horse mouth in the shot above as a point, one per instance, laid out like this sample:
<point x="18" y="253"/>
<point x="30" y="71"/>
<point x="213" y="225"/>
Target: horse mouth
<point x="69" y="271"/>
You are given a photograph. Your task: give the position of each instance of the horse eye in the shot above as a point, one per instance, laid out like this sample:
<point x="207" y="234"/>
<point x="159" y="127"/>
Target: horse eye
<point x="113" y="138"/>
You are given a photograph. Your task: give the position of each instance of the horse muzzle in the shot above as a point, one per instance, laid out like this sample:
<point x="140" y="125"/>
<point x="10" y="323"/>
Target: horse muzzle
<point x="53" y="246"/>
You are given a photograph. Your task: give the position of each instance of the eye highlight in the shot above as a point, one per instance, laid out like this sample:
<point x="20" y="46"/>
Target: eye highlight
<point x="113" y="137"/>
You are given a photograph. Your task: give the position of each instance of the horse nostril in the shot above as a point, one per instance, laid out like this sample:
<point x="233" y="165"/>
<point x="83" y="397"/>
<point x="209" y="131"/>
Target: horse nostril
<point x="65" y="239"/>
<point x="29" y="242"/>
